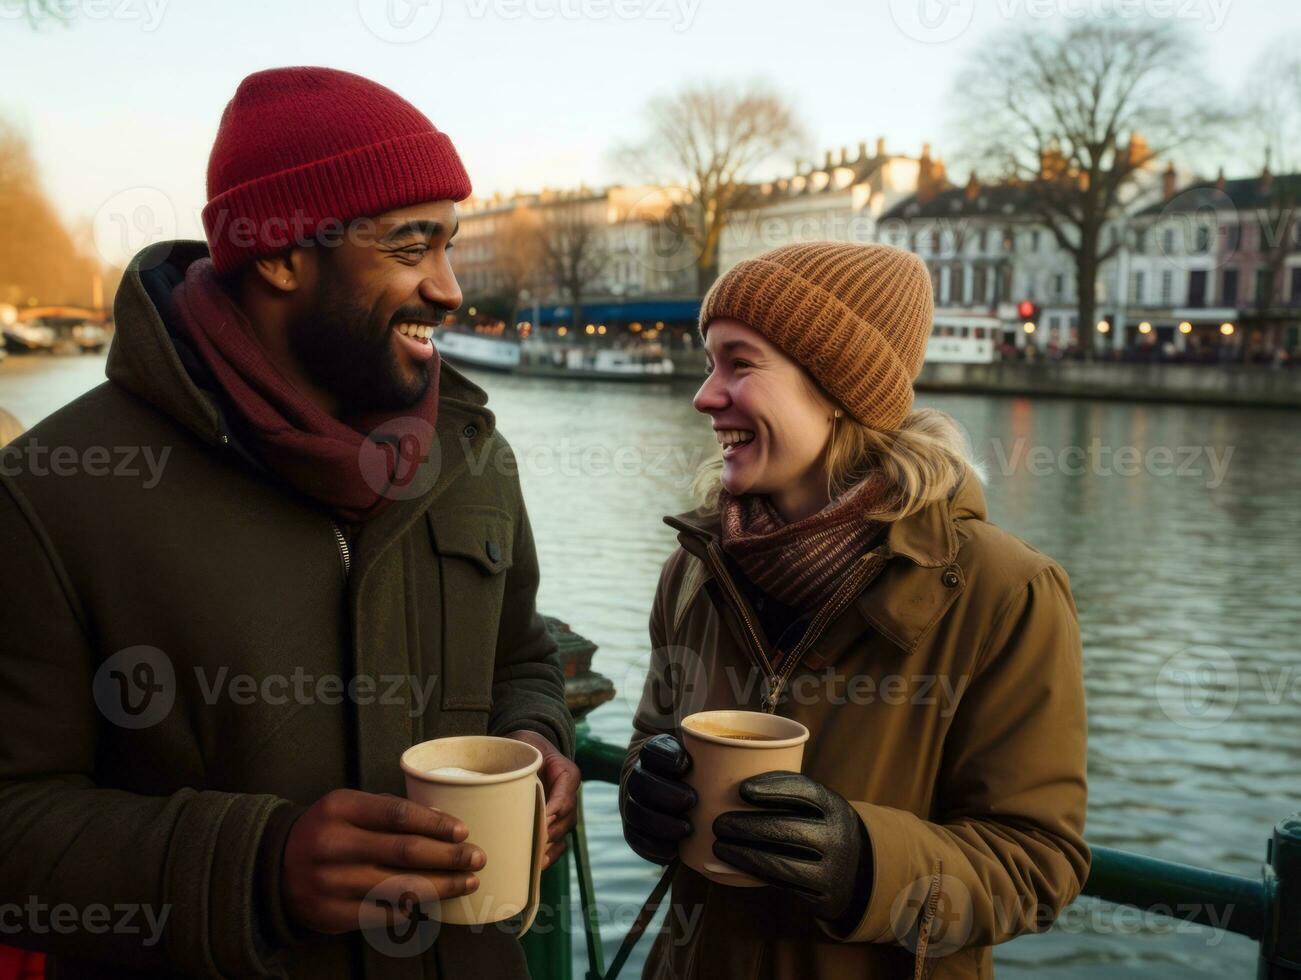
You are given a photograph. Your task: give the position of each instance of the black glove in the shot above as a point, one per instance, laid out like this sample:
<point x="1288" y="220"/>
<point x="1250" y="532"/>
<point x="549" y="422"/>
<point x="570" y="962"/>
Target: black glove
<point x="806" y="838"/>
<point x="656" y="799"/>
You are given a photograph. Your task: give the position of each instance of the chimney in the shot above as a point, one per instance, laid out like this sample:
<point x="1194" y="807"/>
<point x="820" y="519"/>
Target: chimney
<point x="926" y="151"/>
<point x="844" y="155"/>
<point x="880" y="146"/>
<point x="862" y="150"/>
<point x="1266" y="178"/>
<point x="1169" y="181"/>
<point x="830" y="162"/>
<point x="1220" y="182"/>
<point x="973" y="187"/>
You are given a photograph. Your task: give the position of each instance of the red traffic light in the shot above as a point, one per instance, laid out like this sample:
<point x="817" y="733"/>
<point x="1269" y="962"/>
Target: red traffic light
<point x="1026" y="310"/>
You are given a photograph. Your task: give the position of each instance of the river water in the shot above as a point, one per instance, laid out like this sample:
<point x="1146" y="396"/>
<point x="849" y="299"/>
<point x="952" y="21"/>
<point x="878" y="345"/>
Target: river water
<point x="1177" y="525"/>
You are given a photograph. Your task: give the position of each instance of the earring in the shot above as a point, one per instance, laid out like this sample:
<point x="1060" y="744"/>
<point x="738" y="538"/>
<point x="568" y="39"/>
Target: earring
<point x="837" y="415"/>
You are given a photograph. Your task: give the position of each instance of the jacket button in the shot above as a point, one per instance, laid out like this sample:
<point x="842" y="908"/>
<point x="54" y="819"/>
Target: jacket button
<point x="494" y="551"/>
<point x="951" y="578"/>
<point x="470" y="431"/>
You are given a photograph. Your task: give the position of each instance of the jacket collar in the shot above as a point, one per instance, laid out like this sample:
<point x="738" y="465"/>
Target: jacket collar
<point x="907" y="598"/>
<point x="927" y="537"/>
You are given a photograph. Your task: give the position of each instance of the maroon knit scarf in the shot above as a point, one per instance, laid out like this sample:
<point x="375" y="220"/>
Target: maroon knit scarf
<point x="801" y="564"/>
<point x="326" y="459"/>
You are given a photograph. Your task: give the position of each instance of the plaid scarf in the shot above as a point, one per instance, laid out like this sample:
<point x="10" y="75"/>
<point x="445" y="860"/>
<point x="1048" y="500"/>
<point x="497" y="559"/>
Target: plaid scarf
<point x="801" y="564"/>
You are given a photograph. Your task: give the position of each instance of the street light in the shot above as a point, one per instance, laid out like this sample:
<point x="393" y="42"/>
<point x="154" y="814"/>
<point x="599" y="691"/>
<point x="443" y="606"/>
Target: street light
<point x="1145" y="327"/>
<point x="1185" y="327"/>
<point x="1103" y="326"/>
<point x="1028" y="326"/>
<point x="1226" y="329"/>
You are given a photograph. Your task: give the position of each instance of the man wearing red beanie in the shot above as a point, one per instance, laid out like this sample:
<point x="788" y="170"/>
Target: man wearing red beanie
<point x="212" y="663"/>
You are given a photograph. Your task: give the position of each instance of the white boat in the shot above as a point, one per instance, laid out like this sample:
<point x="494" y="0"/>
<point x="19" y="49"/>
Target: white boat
<point x="963" y="340"/>
<point x="645" y="363"/>
<point x="484" y="351"/>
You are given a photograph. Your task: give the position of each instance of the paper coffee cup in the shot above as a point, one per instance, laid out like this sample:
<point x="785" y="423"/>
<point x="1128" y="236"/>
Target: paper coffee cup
<point x="727" y="748"/>
<point x="491" y="785"/>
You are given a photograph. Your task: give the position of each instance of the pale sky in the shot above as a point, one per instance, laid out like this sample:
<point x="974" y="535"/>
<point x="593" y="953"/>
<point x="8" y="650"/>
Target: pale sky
<point x="533" y="92"/>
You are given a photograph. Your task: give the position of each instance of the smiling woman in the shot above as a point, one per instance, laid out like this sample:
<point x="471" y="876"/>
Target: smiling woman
<point x="843" y="532"/>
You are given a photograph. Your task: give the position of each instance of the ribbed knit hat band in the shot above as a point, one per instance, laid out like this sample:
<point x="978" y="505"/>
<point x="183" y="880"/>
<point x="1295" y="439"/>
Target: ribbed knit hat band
<point x="300" y="147"/>
<point x="856" y="317"/>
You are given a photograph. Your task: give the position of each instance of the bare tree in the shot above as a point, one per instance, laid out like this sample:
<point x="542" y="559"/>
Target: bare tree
<point x="711" y="138"/>
<point x="1056" y="112"/>
<point x="572" y="246"/>
<point x="1271" y="123"/>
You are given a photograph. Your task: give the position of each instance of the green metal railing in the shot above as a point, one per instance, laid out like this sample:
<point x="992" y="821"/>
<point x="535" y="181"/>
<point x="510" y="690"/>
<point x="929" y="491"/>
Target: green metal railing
<point x="1267" y="909"/>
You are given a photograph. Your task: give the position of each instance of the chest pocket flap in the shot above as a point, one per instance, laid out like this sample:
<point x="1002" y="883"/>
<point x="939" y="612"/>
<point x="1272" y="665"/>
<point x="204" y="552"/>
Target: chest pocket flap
<point x="473" y="543"/>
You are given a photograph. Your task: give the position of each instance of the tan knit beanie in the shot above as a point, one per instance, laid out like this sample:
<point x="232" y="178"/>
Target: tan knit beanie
<point x="856" y="317"/>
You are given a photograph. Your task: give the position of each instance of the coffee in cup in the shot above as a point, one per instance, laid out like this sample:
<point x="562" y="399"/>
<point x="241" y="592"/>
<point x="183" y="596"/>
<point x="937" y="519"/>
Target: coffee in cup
<point x="728" y="747"/>
<point x="491" y="785"/>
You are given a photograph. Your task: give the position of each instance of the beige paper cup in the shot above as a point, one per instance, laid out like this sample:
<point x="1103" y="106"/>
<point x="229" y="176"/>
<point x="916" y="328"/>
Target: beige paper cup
<point x="719" y="765"/>
<point x="503" y="805"/>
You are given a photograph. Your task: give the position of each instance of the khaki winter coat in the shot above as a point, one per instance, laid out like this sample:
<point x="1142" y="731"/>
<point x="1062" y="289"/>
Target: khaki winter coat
<point x="946" y="703"/>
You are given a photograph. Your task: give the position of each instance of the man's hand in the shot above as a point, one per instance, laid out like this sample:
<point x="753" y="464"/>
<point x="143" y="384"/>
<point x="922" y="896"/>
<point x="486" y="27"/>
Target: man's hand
<point x="560" y="779"/>
<point x="805" y="838"/>
<point x="352" y="848"/>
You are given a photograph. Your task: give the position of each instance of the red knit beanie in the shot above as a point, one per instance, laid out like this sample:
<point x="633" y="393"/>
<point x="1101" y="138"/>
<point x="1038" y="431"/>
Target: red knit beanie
<point x="306" y="150"/>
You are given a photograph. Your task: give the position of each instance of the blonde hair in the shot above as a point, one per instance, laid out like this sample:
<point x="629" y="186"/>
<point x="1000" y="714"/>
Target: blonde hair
<point x="923" y="460"/>
<point x="10" y="428"/>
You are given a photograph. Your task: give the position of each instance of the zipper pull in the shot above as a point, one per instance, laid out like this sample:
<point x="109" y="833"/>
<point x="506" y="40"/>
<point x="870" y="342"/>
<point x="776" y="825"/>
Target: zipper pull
<point x="774" y="692"/>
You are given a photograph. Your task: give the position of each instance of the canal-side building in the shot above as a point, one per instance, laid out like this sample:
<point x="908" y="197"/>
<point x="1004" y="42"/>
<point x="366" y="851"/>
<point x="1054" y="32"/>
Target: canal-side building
<point x="622" y="243"/>
<point x="840" y="200"/>
<point x="1217" y="266"/>
<point x="998" y="271"/>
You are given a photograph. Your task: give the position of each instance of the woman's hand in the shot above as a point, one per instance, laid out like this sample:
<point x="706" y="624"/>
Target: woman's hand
<point x="657" y="798"/>
<point x="805" y="838"/>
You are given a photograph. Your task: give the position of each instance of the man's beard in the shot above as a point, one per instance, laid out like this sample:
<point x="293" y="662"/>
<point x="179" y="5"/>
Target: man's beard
<point x="341" y="350"/>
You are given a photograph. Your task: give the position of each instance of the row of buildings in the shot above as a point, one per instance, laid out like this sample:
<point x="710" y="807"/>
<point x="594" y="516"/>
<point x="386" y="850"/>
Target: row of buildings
<point x="1200" y="267"/>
